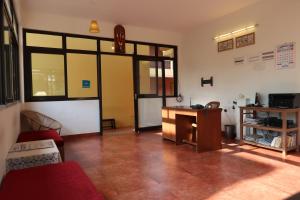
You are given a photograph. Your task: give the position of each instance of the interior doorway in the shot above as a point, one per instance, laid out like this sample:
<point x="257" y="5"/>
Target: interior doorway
<point x="117" y="93"/>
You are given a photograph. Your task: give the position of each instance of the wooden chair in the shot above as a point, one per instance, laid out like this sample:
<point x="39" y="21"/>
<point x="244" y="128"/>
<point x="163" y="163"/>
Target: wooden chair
<point x="42" y="128"/>
<point x="212" y="105"/>
<point x="38" y="121"/>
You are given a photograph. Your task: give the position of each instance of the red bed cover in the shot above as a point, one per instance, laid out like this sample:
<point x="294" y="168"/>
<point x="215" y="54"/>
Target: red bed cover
<point x="64" y="181"/>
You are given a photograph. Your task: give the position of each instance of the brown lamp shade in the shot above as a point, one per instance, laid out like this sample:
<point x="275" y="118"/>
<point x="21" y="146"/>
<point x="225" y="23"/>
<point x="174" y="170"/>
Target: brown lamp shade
<point x="94" y="27"/>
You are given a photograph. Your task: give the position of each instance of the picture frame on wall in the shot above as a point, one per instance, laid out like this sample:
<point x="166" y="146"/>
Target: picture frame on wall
<point x="225" y="45"/>
<point x="245" y="40"/>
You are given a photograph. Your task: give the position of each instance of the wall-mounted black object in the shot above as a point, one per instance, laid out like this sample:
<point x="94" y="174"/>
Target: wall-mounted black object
<point x="197" y="106"/>
<point x="234" y="104"/>
<point x="207" y="81"/>
<point x="179" y="98"/>
<point x="288" y="100"/>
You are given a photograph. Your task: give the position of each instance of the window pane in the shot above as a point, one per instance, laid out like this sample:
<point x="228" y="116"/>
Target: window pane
<point x="8" y="63"/>
<point x="129" y="48"/>
<point x="145" y="50"/>
<point x="160" y="79"/>
<point x="6" y="32"/>
<point x="148" y="81"/>
<point x="81" y="44"/>
<point x="107" y="46"/>
<point x="43" y="40"/>
<point x="16" y="71"/>
<point x="82" y="75"/>
<point x="169" y="77"/>
<point x="166" y="52"/>
<point x="48" y="76"/>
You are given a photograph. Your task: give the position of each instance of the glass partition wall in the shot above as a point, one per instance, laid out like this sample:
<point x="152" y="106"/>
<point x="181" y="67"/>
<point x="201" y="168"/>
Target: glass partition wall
<point x="63" y="67"/>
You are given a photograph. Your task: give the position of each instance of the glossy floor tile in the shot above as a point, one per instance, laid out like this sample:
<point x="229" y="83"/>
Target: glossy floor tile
<point x="146" y="167"/>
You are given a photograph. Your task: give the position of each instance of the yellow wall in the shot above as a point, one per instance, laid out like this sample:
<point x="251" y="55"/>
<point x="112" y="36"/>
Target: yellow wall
<point x="82" y="67"/>
<point x="117" y="89"/>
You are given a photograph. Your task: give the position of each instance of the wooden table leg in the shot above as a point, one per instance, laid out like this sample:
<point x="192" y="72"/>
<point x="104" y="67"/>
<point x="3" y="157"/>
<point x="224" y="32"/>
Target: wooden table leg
<point x="284" y="153"/>
<point x="241" y="127"/>
<point x="298" y="132"/>
<point x="284" y="134"/>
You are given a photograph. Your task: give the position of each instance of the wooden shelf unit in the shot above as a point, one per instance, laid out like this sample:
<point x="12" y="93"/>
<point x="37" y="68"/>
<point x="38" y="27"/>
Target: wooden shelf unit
<point x="268" y="147"/>
<point x="284" y="130"/>
<point x="269" y="128"/>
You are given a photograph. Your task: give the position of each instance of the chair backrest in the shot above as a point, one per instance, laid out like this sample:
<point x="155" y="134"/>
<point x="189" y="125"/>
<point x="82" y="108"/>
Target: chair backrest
<point x="38" y="121"/>
<point x="212" y="105"/>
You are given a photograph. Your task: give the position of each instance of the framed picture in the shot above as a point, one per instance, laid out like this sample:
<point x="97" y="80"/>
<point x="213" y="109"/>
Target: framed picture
<point x="225" y="45"/>
<point x="245" y="40"/>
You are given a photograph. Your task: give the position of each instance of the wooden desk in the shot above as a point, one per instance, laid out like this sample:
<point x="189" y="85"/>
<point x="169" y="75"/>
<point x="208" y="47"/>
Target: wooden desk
<point x="177" y="126"/>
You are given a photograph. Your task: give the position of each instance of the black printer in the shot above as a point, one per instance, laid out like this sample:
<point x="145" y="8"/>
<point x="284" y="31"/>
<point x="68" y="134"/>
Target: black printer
<point x="284" y="100"/>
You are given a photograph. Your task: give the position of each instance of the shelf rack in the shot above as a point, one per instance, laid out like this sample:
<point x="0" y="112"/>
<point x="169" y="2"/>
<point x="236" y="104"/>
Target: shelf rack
<point x="284" y="130"/>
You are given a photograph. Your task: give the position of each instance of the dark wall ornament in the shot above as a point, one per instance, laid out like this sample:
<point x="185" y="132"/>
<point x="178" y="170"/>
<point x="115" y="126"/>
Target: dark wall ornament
<point x="119" y="33"/>
<point x="207" y="81"/>
<point x="179" y="98"/>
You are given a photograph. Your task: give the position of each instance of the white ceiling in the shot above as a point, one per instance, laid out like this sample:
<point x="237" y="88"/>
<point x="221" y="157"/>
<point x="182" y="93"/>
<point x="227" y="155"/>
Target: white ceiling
<point x="176" y="15"/>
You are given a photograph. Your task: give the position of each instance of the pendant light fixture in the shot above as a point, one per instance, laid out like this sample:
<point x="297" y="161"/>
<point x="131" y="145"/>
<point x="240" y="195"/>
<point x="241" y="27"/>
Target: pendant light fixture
<point x="94" y="27"/>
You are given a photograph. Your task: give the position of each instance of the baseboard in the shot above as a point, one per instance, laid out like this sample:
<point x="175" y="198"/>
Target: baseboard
<point x="150" y="128"/>
<point x="81" y="135"/>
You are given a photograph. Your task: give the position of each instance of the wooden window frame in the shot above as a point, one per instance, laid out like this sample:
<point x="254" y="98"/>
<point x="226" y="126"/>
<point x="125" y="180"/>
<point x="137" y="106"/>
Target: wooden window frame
<point x="29" y="49"/>
<point x="13" y="56"/>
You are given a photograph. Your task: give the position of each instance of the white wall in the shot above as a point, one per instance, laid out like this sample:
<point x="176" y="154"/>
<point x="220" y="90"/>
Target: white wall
<point x="278" y="23"/>
<point x="86" y="110"/>
<point x="75" y="25"/>
<point x="9" y="131"/>
<point x="9" y="123"/>
<point x="150" y="112"/>
<point x="77" y="116"/>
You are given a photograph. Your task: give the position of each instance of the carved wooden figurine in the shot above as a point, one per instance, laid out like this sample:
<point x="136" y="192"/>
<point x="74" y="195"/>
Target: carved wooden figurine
<point x="119" y="39"/>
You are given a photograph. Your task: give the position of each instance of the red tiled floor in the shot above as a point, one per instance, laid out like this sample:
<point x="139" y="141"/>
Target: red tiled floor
<point x="129" y="167"/>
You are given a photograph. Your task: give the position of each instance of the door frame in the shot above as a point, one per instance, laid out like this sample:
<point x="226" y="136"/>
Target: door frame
<point x="100" y="84"/>
<point x="138" y="96"/>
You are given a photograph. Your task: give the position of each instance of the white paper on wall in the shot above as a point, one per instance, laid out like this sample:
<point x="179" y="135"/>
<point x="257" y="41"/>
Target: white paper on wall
<point x="255" y="58"/>
<point x="285" y="55"/>
<point x="239" y="60"/>
<point x="267" y="55"/>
